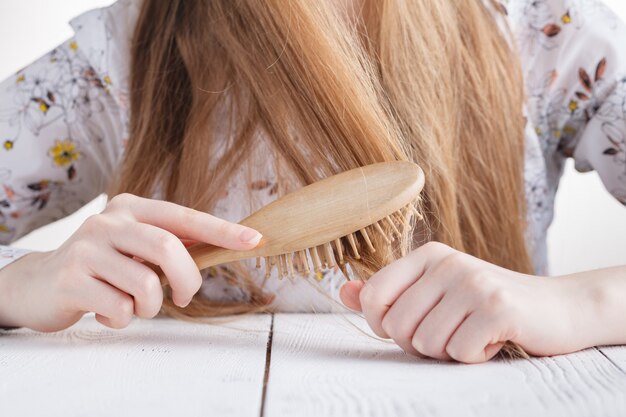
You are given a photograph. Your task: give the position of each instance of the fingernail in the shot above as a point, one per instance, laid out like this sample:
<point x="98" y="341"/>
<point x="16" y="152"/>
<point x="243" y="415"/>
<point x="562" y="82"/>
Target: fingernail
<point x="185" y="304"/>
<point x="250" y="236"/>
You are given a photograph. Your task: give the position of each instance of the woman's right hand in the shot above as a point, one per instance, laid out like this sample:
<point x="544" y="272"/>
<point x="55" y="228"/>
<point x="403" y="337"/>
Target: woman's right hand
<point x="97" y="268"/>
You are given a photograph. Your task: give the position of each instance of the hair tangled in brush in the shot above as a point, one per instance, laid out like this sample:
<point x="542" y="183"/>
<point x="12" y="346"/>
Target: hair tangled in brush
<point x="434" y="82"/>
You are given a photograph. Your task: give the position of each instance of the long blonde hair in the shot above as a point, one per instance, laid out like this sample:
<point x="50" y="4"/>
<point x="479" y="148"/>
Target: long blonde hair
<point x="431" y="81"/>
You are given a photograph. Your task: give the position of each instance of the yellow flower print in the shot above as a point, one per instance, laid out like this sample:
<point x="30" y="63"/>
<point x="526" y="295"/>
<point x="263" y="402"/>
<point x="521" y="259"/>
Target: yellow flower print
<point x="63" y="152"/>
<point x="8" y="144"/>
<point x="573" y="106"/>
<point x="107" y="80"/>
<point x="20" y="79"/>
<point x="73" y="46"/>
<point x="41" y="104"/>
<point x="4" y="228"/>
<point x="566" y="18"/>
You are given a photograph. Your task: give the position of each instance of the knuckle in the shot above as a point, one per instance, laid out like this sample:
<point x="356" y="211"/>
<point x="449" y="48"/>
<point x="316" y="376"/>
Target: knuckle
<point x="433" y="246"/>
<point x="124" y="310"/>
<point x="91" y="223"/>
<point x="167" y="244"/>
<point x="152" y="311"/>
<point x="150" y="297"/>
<point x="498" y="300"/>
<point x="187" y="216"/>
<point x="455" y="353"/>
<point x="368" y="296"/>
<point x="425" y="344"/>
<point x="148" y="284"/>
<point x="224" y="230"/>
<point x="433" y="249"/>
<point x="119" y="201"/>
<point x="452" y="261"/>
<point x="95" y="224"/>
<point x="478" y="283"/>
<point x="458" y="352"/>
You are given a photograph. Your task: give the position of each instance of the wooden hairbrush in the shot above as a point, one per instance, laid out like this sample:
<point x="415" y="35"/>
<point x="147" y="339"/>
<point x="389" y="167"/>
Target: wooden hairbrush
<point x="319" y="217"/>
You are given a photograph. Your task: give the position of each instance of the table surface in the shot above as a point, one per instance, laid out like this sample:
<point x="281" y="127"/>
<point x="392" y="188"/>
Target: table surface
<point x="285" y="365"/>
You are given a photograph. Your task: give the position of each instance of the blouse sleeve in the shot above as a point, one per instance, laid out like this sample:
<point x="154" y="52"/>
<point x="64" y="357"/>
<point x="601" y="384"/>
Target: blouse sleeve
<point x="575" y="60"/>
<point x="60" y="134"/>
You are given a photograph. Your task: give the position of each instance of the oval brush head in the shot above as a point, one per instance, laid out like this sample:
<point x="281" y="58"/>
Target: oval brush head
<point x="317" y="217"/>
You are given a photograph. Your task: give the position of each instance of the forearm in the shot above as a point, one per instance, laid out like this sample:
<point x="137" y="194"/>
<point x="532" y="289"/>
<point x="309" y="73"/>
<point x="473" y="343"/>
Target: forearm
<point x="599" y="298"/>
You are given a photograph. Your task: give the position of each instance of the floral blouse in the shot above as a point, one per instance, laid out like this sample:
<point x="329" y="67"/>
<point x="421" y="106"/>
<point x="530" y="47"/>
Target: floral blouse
<point x="64" y="125"/>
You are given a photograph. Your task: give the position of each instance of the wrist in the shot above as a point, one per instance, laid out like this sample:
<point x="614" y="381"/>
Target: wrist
<point x="13" y="278"/>
<point x="595" y="308"/>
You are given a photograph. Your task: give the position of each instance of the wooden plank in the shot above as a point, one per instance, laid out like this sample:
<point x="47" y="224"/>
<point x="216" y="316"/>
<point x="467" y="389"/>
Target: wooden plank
<point x="616" y="354"/>
<point x="322" y="365"/>
<point x="159" y="367"/>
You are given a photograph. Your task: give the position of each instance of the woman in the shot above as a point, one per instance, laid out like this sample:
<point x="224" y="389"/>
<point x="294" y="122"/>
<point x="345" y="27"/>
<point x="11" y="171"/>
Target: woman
<point x="178" y="109"/>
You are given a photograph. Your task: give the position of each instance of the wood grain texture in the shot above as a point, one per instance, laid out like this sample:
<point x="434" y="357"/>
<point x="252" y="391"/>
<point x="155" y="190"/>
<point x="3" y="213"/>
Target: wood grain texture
<point x="159" y="367"/>
<point x="323" y="366"/>
<point x="616" y="354"/>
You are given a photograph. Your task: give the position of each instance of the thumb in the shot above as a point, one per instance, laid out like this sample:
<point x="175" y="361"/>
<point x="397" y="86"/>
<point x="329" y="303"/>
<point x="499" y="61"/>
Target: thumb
<point x="349" y="294"/>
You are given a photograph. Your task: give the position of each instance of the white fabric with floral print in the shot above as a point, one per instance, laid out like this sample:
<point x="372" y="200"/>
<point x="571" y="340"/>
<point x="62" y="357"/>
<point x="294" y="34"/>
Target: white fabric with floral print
<point x="64" y="123"/>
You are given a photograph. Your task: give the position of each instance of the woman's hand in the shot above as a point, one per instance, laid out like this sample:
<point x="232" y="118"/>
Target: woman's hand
<point x="444" y="304"/>
<point x="99" y="267"/>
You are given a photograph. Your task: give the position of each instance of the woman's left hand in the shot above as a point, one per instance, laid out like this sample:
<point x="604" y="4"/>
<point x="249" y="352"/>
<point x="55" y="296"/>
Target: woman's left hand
<point x="444" y="304"/>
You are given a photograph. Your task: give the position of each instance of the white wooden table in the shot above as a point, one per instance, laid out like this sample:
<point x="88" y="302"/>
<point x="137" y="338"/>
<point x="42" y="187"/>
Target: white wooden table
<point x="285" y="365"/>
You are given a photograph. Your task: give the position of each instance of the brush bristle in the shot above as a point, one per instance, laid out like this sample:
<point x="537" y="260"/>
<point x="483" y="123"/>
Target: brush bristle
<point x="331" y="255"/>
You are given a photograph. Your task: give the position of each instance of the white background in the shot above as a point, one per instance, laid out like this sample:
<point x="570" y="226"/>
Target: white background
<point x="589" y="230"/>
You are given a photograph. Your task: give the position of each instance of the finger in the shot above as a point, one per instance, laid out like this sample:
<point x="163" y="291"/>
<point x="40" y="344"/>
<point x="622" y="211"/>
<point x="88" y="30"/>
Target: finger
<point x="187" y="223"/>
<point x="384" y="287"/>
<point x="349" y="294"/>
<point x="161" y="248"/>
<point x="435" y="330"/>
<point x="132" y="277"/>
<point x="405" y="315"/>
<point x="477" y="339"/>
<point x="107" y="301"/>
